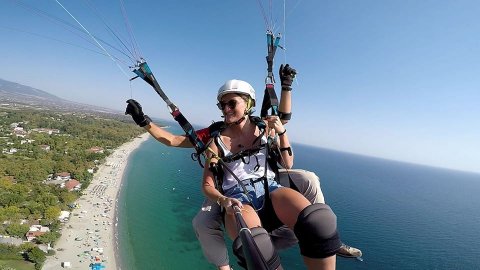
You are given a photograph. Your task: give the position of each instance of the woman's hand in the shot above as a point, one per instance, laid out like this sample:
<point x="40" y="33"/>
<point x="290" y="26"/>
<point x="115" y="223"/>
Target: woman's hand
<point x="228" y="204"/>
<point x="274" y="122"/>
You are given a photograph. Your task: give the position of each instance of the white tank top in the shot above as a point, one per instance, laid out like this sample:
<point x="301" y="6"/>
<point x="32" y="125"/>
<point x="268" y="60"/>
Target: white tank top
<point x="244" y="170"/>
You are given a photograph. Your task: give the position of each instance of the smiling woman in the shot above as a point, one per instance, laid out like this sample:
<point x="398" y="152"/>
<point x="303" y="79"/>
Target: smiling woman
<point x="232" y="93"/>
<point x="245" y="179"/>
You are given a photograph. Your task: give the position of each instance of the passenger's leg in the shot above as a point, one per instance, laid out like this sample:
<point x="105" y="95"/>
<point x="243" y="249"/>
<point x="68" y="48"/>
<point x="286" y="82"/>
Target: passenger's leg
<point x="315" y="229"/>
<point x="288" y="204"/>
<point x="308" y="184"/>
<point x="329" y="263"/>
<point x="250" y="217"/>
<point x="208" y="228"/>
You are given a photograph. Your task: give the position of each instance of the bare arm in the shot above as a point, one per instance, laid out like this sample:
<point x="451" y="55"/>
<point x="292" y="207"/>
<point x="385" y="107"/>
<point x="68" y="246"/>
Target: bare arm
<point x="285" y="104"/>
<point x="287" y="75"/>
<point x="286" y="158"/>
<point x="135" y="110"/>
<point x="166" y="137"/>
<point x="275" y="125"/>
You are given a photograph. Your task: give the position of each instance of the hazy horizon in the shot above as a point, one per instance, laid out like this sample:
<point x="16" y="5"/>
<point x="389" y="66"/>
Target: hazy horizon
<point x="396" y="80"/>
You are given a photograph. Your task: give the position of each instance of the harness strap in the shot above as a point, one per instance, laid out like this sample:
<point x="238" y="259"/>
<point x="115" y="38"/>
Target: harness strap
<point x="225" y="167"/>
<point x="272" y="44"/>
<point x="269" y="219"/>
<point x="240" y="155"/>
<point x="270" y="101"/>
<point x="143" y="71"/>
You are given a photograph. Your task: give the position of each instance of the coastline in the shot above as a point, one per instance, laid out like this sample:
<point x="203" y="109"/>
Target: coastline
<point x="90" y="235"/>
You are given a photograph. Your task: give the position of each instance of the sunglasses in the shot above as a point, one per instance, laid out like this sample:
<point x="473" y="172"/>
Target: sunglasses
<point x="231" y="104"/>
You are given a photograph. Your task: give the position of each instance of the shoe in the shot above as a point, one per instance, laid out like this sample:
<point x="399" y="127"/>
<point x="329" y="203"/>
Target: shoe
<point x="349" y="252"/>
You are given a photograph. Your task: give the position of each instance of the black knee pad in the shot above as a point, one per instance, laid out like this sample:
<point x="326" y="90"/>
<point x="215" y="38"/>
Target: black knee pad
<point x="316" y="230"/>
<point x="262" y="239"/>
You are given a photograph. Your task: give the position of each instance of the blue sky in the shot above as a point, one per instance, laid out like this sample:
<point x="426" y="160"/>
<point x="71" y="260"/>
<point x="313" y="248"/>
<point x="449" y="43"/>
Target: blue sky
<point x="393" y="79"/>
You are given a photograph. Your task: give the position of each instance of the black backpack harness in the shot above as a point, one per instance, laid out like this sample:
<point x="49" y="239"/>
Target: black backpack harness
<point x="266" y="213"/>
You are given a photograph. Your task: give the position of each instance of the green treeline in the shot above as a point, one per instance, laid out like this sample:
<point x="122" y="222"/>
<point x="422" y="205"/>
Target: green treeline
<point x="37" y="145"/>
<point x="25" y="252"/>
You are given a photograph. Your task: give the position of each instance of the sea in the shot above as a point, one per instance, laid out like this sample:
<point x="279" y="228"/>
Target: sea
<point x="401" y="215"/>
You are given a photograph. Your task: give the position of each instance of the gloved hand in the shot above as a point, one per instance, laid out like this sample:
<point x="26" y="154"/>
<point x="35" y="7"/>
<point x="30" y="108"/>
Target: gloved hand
<point x="287" y="74"/>
<point x="135" y="110"/>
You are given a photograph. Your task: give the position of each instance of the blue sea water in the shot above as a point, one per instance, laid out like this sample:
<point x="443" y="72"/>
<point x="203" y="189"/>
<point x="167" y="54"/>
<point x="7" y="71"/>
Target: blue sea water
<point x="402" y="216"/>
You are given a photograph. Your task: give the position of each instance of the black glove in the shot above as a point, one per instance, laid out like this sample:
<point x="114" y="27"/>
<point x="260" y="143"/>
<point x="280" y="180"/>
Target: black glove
<point x="135" y="110"/>
<point x="287" y="74"/>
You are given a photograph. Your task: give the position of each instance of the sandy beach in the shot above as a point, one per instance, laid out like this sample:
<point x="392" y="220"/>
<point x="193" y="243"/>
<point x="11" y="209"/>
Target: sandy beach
<point x="89" y="236"/>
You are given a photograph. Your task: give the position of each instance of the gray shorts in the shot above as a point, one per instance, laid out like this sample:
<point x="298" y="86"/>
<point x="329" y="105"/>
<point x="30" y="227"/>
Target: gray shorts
<point x="255" y="192"/>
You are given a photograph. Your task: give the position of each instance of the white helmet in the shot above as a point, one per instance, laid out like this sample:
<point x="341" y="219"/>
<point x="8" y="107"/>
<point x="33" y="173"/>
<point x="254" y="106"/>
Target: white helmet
<point x="237" y="87"/>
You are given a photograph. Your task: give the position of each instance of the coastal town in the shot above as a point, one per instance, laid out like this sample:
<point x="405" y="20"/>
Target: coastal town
<point x="60" y="173"/>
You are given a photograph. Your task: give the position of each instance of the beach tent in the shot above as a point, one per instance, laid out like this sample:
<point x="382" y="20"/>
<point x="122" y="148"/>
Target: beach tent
<point x="97" y="266"/>
<point x="66" y="265"/>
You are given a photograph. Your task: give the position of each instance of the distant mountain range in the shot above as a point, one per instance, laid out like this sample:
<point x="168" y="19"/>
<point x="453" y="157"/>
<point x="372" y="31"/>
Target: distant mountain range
<point x="16" y="89"/>
<point x="15" y="94"/>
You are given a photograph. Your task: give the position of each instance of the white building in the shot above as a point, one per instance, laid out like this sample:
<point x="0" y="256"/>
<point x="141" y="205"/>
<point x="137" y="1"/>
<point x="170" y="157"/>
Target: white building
<point x="64" y="215"/>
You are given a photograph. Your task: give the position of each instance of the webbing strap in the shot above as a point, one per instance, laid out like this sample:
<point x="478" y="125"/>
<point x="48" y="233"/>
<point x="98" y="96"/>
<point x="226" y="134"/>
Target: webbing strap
<point x="270" y="101"/>
<point x="272" y="44"/>
<point x="189" y="130"/>
<point x="253" y="255"/>
<point x="143" y="71"/>
<point x="224" y="159"/>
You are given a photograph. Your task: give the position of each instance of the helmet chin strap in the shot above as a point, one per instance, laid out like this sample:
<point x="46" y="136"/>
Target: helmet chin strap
<point x="238" y="122"/>
<point x="248" y="111"/>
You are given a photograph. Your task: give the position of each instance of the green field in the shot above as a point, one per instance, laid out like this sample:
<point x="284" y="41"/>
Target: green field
<point x="18" y="265"/>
